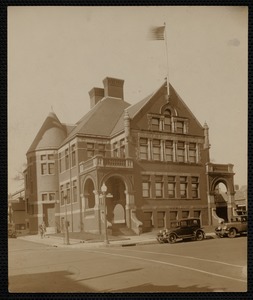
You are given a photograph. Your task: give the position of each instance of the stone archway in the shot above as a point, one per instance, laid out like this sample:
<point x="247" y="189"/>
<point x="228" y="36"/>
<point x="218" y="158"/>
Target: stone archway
<point x="88" y="192"/>
<point x="220" y="200"/>
<point x="116" y="204"/>
<point x="220" y="205"/>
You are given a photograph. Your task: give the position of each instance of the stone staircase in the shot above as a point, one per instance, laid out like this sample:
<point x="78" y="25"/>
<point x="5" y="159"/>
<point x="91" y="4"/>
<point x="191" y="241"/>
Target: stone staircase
<point x="122" y="230"/>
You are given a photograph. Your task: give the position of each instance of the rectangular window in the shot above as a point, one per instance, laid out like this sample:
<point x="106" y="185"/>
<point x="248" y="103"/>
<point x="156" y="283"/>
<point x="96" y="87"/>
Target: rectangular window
<point x="51" y="196"/>
<point x="90" y="150"/>
<point x="66" y="159"/>
<point x="51" y="168"/>
<point x="122" y="148"/>
<point x="183" y="187"/>
<point x="180" y="127"/>
<point x="185" y="214"/>
<point x="146" y="186"/>
<point x="43" y="157"/>
<point x="68" y="193"/>
<point x="195" y="187"/>
<point x="74" y="191"/>
<point x="180" y="151"/>
<point x="171" y="186"/>
<point x="44" y="197"/>
<point x="156" y="150"/>
<point x="43" y="169"/>
<point x="155" y="123"/>
<point x="143" y="148"/>
<point x="101" y="149"/>
<point x="192" y="153"/>
<point x="167" y="124"/>
<point x="169" y="150"/>
<point x="159" y="186"/>
<point x="73" y="155"/>
<point x="62" y="197"/>
<point x="60" y="162"/>
<point x="115" y="149"/>
<point x="50" y="156"/>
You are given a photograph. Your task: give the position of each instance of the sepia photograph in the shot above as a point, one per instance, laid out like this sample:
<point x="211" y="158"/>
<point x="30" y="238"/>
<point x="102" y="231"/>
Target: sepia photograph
<point x="127" y="149"/>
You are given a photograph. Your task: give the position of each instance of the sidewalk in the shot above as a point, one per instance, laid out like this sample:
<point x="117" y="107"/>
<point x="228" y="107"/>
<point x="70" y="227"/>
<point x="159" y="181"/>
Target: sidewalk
<point x="121" y="241"/>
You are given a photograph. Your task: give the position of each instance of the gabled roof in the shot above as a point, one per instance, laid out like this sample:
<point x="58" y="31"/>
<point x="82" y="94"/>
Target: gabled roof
<point x="133" y="110"/>
<point x="50" y="135"/>
<point x="101" y="119"/>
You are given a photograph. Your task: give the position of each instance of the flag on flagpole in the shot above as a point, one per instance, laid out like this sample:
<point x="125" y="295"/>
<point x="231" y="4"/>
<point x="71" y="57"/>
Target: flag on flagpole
<point x="157" y="33"/>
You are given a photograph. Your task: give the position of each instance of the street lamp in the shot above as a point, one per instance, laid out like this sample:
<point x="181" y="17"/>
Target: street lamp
<point x="104" y="195"/>
<point x="66" y="222"/>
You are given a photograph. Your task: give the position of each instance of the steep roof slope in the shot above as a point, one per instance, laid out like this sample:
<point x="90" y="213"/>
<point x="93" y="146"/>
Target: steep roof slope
<point x="50" y="135"/>
<point x="101" y="119"/>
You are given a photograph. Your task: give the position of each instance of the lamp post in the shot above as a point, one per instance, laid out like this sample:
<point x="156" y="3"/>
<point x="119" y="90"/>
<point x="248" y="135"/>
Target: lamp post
<point x="66" y="222"/>
<point x="104" y="195"/>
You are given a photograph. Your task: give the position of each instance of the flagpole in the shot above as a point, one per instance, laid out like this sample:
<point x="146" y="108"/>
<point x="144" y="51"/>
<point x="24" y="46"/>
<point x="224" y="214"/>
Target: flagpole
<point x="167" y="58"/>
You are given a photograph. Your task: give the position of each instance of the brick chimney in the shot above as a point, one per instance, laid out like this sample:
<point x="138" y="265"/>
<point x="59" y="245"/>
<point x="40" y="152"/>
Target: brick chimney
<point x="96" y="94"/>
<point x="113" y="87"/>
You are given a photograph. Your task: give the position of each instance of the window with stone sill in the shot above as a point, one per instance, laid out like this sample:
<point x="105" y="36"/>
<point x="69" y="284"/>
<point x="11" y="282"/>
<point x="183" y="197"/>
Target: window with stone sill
<point x="156" y="150"/>
<point x="73" y="155"/>
<point x="66" y="159"/>
<point x="159" y="186"/>
<point x="155" y="124"/>
<point x="195" y="187"/>
<point x="171" y="186"/>
<point x="179" y="127"/>
<point x="181" y="152"/>
<point x="192" y="153"/>
<point x="90" y="150"/>
<point x="183" y="187"/>
<point x="146" y="186"/>
<point x="143" y="148"/>
<point x="169" y="150"/>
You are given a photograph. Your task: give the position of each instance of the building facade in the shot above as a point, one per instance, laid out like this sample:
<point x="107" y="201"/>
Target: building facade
<point x="152" y="156"/>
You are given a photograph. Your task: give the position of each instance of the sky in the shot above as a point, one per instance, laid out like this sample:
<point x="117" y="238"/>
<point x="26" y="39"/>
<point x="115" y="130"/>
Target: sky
<point x="56" y="55"/>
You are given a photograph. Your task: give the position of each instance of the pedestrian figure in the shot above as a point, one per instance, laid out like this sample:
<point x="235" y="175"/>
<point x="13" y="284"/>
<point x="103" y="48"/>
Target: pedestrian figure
<point x="42" y="230"/>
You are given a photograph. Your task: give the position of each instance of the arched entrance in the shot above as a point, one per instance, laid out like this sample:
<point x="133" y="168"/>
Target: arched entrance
<point x="116" y="213"/>
<point x="220" y="200"/>
<point x="89" y="194"/>
<point x="220" y="192"/>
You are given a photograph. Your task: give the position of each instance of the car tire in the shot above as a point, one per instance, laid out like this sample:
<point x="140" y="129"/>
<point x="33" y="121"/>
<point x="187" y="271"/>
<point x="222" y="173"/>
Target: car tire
<point x="172" y="238"/>
<point x="232" y="233"/>
<point x="199" y="236"/>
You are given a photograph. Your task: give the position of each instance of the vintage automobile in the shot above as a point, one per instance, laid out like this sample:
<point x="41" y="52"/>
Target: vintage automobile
<point x="183" y="229"/>
<point x="238" y="225"/>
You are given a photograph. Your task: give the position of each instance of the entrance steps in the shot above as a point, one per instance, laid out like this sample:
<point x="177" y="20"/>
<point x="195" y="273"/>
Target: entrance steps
<point x="122" y="229"/>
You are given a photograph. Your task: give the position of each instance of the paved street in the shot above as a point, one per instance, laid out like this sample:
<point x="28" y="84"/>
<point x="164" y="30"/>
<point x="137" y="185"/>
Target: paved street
<point x="206" y="266"/>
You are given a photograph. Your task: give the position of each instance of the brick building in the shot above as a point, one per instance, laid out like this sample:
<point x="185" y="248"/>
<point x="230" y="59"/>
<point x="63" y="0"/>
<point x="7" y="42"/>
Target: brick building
<point x="152" y="156"/>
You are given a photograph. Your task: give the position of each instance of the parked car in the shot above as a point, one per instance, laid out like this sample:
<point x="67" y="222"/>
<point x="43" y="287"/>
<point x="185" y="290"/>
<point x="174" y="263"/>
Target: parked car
<point x="238" y="225"/>
<point x="184" y="229"/>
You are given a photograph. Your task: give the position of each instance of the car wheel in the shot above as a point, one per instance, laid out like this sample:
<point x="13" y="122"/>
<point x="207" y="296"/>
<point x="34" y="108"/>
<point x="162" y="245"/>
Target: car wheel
<point x="199" y="235"/>
<point x="172" y="238"/>
<point x="232" y="233"/>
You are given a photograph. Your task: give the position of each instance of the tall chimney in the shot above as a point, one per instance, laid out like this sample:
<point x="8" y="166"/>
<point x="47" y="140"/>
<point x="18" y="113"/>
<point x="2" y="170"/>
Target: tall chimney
<point x="113" y="87"/>
<point x="96" y="94"/>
